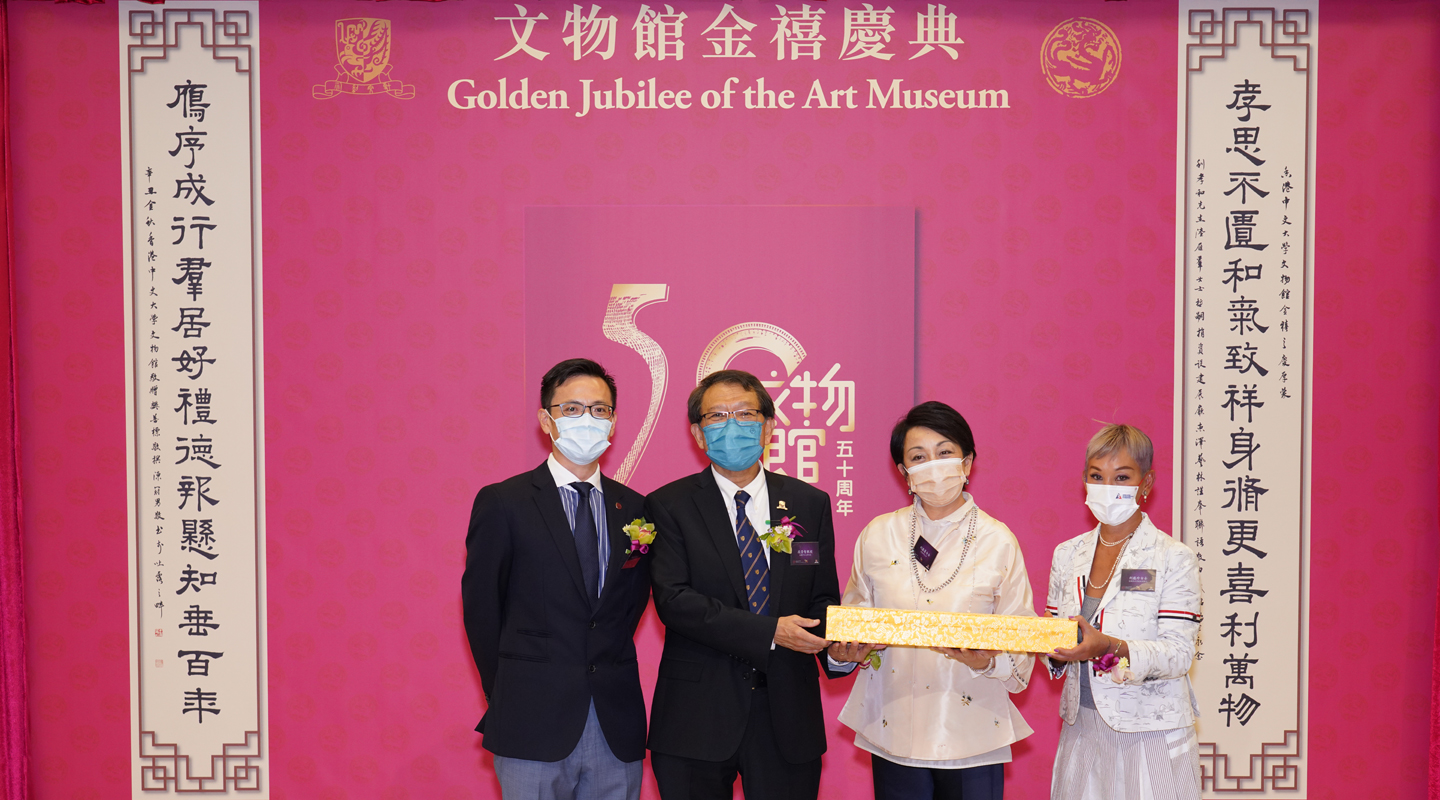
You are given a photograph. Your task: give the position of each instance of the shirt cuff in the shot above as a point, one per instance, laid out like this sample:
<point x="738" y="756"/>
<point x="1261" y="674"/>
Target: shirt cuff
<point x="1055" y="668"/>
<point x="840" y="666"/>
<point x="983" y="673"/>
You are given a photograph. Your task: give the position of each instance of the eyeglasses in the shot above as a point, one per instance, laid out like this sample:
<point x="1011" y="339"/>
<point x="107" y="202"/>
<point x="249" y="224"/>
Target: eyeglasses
<point x="742" y="415"/>
<point x="597" y="410"/>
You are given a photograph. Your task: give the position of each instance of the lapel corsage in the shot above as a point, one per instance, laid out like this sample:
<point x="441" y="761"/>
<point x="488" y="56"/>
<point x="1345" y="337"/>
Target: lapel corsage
<point x="642" y="535"/>
<point x="777" y="537"/>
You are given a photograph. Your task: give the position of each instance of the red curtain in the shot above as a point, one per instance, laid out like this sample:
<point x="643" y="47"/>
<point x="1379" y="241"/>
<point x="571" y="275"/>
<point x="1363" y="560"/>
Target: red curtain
<point x="1435" y="709"/>
<point x="14" y="722"/>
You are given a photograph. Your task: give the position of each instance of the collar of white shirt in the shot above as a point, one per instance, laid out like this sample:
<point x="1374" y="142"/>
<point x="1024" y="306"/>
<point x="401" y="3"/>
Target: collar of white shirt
<point x="564" y="477"/>
<point x="757" y="508"/>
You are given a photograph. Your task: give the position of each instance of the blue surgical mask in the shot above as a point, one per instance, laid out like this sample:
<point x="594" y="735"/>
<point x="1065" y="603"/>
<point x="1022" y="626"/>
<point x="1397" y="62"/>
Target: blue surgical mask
<point x="733" y="445"/>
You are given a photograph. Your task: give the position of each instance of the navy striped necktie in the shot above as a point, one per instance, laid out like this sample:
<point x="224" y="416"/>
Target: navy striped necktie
<point x="587" y="540"/>
<point x="752" y="558"/>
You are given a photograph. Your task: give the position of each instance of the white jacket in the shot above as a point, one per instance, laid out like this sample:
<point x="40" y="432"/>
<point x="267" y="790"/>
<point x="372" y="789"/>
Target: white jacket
<point x="1161" y="627"/>
<point x="919" y="705"/>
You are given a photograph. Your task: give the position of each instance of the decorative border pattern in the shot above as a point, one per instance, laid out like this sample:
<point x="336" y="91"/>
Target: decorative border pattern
<point x="163" y="768"/>
<point x="158" y="33"/>
<point x="1216" y="36"/>
<point x="1275" y="767"/>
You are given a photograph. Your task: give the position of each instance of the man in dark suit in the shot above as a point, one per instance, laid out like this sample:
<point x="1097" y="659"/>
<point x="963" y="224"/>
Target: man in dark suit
<point x="553" y="591"/>
<point x="738" y="691"/>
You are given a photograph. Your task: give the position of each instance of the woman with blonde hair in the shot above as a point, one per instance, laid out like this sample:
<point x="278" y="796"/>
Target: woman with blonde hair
<point x="1127" y="703"/>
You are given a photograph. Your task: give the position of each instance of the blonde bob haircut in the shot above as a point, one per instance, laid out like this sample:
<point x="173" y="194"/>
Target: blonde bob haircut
<point x="1113" y="439"/>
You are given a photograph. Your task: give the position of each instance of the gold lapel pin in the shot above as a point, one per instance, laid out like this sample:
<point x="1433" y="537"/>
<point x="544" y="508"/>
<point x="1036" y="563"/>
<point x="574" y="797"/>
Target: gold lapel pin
<point x="781" y="506"/>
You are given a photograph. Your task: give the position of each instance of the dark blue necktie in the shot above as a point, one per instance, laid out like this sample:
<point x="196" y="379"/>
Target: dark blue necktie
<point x="752" y="558"/>
<point x="587" y="541"/>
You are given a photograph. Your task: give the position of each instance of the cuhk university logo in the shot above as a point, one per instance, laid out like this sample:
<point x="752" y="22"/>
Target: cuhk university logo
<point x="1080" y="58"/>
<point x="362" y="54"/>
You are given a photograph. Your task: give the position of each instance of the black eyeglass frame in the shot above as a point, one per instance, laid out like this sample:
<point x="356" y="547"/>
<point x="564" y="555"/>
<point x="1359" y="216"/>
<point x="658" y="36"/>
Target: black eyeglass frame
<point x="608" y="411"/>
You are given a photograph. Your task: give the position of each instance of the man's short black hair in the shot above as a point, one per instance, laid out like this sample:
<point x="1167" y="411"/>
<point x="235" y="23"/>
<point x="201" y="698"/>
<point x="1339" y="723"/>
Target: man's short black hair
<point x="737" y="377"/>
<point x="572" y="368"/>
<point x="938" y="417"/>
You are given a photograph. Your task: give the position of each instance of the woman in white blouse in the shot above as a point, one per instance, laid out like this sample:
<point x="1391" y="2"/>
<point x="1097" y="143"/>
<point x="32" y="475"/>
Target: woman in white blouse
<point x="1129" y="728"/>
<point x="937" y="723"/>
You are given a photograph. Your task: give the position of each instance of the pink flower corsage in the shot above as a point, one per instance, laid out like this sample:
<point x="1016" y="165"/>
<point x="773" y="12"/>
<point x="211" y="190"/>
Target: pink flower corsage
<point x="1117" y="668"/>
<point x="780" y="533"/>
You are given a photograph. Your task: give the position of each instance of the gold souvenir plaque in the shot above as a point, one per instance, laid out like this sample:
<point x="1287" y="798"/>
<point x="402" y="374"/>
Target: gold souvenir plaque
<point x="949" y="629"/>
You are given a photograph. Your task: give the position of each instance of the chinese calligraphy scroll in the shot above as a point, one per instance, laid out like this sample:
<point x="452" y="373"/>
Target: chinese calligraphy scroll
<point x="1246" y="149"/>
<point x="191" y="167"/>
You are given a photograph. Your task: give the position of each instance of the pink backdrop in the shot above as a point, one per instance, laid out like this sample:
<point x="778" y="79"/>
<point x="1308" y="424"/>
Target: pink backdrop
<point x="394" y="326"/>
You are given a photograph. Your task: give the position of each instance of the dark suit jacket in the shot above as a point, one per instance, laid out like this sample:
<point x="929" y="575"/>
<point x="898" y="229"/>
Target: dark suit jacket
<point x="713" y="644"/>
<point x="544" y="651"/>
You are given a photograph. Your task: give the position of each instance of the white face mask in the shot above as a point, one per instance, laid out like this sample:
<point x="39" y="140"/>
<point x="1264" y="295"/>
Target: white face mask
<point x="938" y="483"/>
<point x="1112" y="505"/>
<point x="582" y="439"/>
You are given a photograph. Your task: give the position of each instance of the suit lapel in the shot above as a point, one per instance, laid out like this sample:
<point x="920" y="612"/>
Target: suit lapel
<point x="779" y="562"/>
<point x="718" y="522"/>
<point x="615" y="521"/>
<point x="1080" y="567"/>
<point x="547" y="498"/>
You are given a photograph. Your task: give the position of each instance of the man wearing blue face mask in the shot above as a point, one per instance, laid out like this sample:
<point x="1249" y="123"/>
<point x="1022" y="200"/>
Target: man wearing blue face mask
<point x="738" y="690"/>
<point x="552" y="594"/>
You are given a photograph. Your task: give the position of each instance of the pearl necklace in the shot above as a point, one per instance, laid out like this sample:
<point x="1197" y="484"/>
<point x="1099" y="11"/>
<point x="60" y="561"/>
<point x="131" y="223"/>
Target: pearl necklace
<point x="1121" y="555"/>
<point x="969" y="537"/>
<point x="1101" y="536"/>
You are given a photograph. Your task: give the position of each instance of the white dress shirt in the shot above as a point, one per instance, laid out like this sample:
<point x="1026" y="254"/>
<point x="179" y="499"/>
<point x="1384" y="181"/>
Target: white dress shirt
<point x="757" y="508"/>
<point x="920" y="709"/>
<point x="570" y="500"/>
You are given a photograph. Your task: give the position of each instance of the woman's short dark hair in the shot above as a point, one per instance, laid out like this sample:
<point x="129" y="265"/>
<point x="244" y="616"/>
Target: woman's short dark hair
<point x="736" y="377"/>
<point x="572" y="368"/>
<point x="938" y="417"/>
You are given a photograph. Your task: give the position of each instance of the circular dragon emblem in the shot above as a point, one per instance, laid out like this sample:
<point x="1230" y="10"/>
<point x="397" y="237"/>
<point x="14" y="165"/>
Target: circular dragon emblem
<point x="1080" y="57"/>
